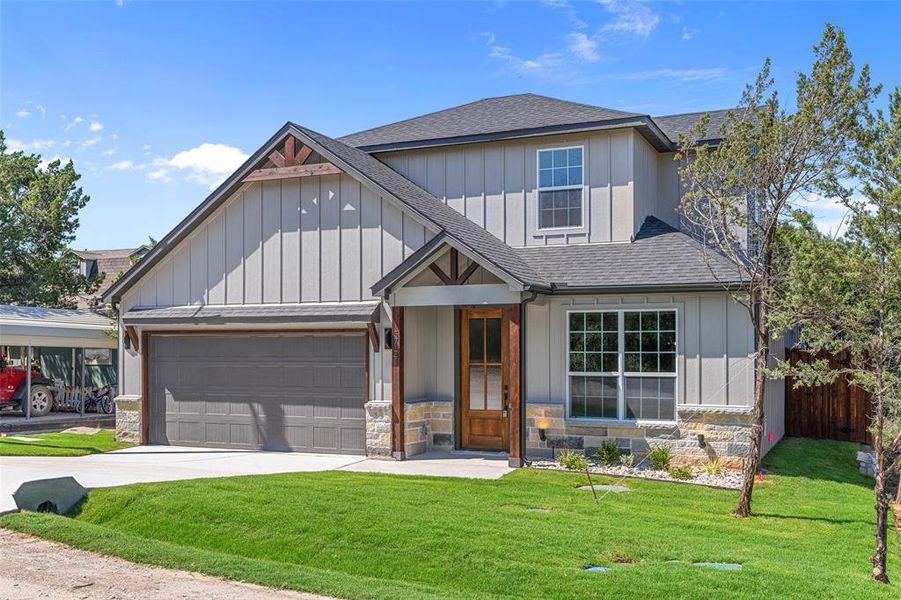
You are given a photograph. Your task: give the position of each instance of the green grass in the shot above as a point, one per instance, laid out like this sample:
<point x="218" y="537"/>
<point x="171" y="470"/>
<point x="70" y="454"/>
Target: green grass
<point x="379" y="536"/>
<point x="61" y="444"/>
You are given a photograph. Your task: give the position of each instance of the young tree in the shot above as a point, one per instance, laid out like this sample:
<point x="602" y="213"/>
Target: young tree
<point x="846" y="296"/>
<point x="738" y="192"/>
<point x="38" y="218"/>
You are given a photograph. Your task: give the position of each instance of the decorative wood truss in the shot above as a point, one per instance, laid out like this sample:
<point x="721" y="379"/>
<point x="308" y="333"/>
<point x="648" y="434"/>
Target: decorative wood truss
<point x="290" y="164"/>
<point x="455" y="277"/>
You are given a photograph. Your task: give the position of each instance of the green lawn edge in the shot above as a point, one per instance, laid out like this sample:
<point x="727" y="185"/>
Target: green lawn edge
<point x="94" y="538"/>
<point x="62" y="444"/>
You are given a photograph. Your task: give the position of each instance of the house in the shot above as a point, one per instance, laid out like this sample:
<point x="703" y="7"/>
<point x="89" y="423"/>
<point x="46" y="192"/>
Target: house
<point x="504" y="275"/>
<point x="108" y="263"/>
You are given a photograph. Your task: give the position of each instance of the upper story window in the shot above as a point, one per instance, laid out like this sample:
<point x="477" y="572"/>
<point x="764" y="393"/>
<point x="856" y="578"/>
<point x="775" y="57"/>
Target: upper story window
<point x="560" y="187"/>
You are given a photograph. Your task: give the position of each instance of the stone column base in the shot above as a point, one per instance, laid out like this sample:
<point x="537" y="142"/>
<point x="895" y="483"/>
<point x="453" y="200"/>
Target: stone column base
<point x="378" y="429"/>
<point x="129" y="419"/>
<point x="428" y="425"/>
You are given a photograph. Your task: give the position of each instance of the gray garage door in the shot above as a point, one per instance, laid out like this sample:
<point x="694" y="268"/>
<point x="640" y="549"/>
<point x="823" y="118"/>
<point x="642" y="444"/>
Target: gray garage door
<point x="272" y="392"/>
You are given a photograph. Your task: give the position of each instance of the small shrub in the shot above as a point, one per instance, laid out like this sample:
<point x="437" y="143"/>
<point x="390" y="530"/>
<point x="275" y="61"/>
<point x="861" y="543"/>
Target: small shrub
<point x="608" y="453"/>
<point x="683" y="472"/>
<point x="714" y="467"/>
<point x="660" y="458"/>
<point x="627" y="460"/>
<point x="572" y="460"/>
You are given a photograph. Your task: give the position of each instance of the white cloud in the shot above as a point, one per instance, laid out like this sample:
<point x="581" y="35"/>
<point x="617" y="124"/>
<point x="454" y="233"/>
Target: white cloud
<point x="17" y="145"/>
<point x="23" y="114"/>
<point x="96" y="126"/>
<point x="45" y="163"/>
<point x="631" y="17"/>
<point x="688" y="34"/>
<point x="114" y="137"/>
<point x="208" y="164"/>
<point x="108" y="152"/>
<point x="159" y="175"/>
<point x="40" y="108"/>
<point x="73" y="123"/>
<point x="125" y="165"/>
<point x="830" y="215"/>
<point x="146" y="148"/>
<point x="90" y="142"/>
<point x="685" y="75"/>
<point x="526" y="65"/>
<point x="583" y="46"/>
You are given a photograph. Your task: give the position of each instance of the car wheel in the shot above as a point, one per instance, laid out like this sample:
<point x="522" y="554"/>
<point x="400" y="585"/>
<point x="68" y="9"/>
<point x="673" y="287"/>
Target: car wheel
<point x="41" y="400"/>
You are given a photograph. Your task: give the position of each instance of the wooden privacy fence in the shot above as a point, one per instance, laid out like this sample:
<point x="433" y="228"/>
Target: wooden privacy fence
<point x="839" y="411"/>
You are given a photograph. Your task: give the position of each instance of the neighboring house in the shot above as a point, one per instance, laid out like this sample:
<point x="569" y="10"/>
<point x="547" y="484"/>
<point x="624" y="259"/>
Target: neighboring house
<point x="108" y="263"/>
<point x="507" y="275"/>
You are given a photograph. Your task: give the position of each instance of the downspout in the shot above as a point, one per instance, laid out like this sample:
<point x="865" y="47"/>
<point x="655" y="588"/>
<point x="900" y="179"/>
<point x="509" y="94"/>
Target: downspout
<point x="522" y="373"/>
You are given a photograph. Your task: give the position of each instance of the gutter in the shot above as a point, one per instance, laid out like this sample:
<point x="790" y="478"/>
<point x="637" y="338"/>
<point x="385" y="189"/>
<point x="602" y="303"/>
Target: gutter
<point x="522" y="379"/>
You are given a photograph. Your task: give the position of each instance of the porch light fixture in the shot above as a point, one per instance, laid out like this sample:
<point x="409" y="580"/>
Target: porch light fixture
<point x="701" y="442"/>
<point x="542" y="429"/>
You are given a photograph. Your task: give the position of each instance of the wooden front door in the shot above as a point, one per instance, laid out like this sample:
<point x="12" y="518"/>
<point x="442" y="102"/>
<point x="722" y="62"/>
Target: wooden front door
<point x="484" y="385"/>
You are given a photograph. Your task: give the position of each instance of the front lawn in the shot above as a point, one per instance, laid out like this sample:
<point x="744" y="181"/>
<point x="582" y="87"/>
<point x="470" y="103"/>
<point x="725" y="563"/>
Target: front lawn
<point x="59" y="444"/>
<point x="379" y="536"/>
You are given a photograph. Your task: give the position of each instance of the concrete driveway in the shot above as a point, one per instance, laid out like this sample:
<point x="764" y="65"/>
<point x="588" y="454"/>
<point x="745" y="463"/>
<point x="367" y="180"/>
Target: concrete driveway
<point x="144" y="464"/>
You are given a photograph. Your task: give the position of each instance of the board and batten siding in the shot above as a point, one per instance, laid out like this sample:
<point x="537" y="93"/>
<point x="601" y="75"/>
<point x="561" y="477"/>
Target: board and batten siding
<point x="715" y="341"/>
<point x="495" y="184"/>
<point x="314" y="239"/>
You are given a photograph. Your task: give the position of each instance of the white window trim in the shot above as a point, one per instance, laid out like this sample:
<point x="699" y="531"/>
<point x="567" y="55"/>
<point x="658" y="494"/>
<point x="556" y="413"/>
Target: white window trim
<point x="621" y="374"/>
<point x="557" y="188"/>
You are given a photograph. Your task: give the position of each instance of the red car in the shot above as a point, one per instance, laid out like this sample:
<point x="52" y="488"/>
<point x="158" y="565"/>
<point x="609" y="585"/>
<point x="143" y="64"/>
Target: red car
<point x="13" y="389"/>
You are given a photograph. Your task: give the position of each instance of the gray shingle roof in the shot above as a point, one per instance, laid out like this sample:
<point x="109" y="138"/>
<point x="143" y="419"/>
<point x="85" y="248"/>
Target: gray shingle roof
<point x="359" y="313"/>
<point x="675" y="125"/>
<point x="430" y="208"/>
<point x="490" y="115"/>
<point x="660" y="257"/>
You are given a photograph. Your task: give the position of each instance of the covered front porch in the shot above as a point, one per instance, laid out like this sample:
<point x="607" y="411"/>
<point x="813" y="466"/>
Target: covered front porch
<point x="454" y="340"/>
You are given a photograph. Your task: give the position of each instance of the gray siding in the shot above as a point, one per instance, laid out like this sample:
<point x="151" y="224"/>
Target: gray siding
<point x="495" y="185"/>
<point x="774" y="404"/>
<point x="317" y="239"/>
<point x="714" y="344"/>
<point x="645" y="167"/>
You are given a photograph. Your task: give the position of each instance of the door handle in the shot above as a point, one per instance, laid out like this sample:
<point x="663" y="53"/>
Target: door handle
<point x="506" y="399"/>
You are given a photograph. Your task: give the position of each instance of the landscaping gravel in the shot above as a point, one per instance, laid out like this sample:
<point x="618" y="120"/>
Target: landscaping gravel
<point x="730" y="479"/>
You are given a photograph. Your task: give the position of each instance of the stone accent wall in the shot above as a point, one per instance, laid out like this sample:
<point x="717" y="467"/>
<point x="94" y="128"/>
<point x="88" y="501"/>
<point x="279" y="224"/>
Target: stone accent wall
<point x="428" y="425"/>
<point x="128" y="419"/>
<point x="726" y="434"/>
<point x="378" y="429"/>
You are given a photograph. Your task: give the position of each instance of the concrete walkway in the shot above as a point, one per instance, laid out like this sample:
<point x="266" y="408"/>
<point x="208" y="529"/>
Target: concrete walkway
<point x="170" y="463"/>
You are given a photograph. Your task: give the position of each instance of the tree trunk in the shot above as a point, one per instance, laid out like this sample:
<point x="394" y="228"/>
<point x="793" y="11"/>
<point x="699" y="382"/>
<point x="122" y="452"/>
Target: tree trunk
<point x="878" y="560"/>
<point x="752" y="462"/>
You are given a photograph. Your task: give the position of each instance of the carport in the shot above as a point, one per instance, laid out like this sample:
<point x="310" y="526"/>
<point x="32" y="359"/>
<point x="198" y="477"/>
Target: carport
<point x="68" y="333"/>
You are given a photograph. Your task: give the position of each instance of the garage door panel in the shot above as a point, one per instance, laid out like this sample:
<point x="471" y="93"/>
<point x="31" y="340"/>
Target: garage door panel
<point x="287" y="392"/>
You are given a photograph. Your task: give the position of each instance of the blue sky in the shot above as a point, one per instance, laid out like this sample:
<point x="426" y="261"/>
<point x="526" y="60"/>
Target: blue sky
<point x="156" y="102"/>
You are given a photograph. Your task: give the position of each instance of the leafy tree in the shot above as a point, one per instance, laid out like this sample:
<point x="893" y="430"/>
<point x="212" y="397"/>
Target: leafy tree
<point x="38" y="219"/>
<point x="846" y="296"/>
<point x="739" y="192"/>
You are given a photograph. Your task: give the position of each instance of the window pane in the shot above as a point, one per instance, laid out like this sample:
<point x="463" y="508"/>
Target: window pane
<point x="649" y="342"/>
<point x="593" y="363"/>
<point x="576" y="362"/>
<point x="649" y="321"/>
<point x="593" y="342"/>
<point x="593" y="321"/>
<point x="611" y="342"/>
<point x="668" y="341"/>
<point x="546" y="200"/>
<point x="476" y="340"/>
<point x="632" y="321"/>
<point x="545" y="160"/>
<point x="632" y="341"/>
<point x="577" y="321"/>
<point x="560" y="158"/>
<point x="575" y="156"/>
<point x="495" y="398"/>
<point x="577" y="341"/>
<point x="559" y="177"/>
<point x="575" y="176"/>
<point x="633" y="397"/>
<point x="545" y="178"/>
<point x="667" y="362"/>
<point x="546" y="218"/>
<point x="649" y="363"/>
<point x="611" y="362"/>
<point x="477" y="388"/>
<point x="574" y="218"/>
<point x="633" y="362"/>
<point x="493" y="339"/>
<point x="668" y="320"/>
<point x="611" y="321"/>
